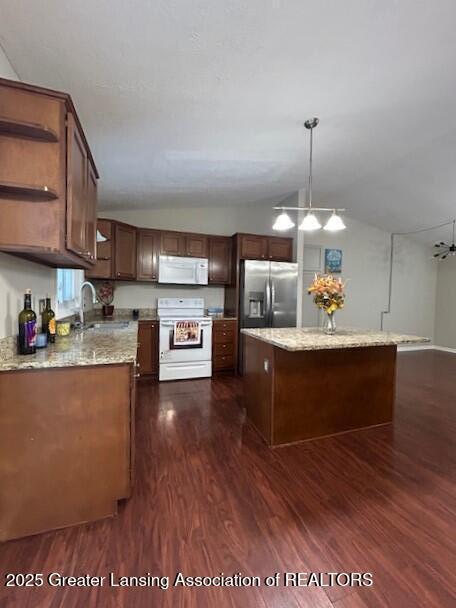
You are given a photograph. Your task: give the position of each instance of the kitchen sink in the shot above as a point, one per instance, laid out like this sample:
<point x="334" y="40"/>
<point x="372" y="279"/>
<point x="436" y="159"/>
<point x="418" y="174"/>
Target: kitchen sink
<point x="109" y="325"/>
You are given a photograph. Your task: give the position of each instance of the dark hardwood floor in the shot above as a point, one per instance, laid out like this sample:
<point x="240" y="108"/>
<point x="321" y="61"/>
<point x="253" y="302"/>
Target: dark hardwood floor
<point x="210" y="497"/>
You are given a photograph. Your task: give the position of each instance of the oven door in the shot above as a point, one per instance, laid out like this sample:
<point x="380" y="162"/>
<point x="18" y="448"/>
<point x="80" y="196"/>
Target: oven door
<point x="174" y="353"/>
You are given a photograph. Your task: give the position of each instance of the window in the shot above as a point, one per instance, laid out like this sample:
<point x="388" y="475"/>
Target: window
<point x="69" y="283"/>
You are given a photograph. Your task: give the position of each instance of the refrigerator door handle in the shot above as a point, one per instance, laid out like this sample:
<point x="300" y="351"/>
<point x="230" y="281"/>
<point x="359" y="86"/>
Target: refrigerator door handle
<point x="268" y="304"/>
<point x="272" y="296"/>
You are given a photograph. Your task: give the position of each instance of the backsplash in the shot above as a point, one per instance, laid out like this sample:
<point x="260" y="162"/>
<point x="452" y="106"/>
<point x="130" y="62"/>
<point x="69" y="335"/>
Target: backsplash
<point x="8" y="347"/>
<point x="145" y="295"/>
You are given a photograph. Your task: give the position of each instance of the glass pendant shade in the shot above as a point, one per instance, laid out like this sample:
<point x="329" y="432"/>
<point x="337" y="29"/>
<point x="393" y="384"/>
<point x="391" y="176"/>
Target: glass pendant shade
<point x="335" y="223"/>
<point x="283" y="222"/>
<point x="310" y="222"/>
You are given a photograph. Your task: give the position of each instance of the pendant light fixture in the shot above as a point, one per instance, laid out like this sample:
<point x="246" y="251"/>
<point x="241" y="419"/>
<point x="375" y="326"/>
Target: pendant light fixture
<point x="335" y="223"/>
<point x="310" y="221"/>
<point x="283" y="222"/>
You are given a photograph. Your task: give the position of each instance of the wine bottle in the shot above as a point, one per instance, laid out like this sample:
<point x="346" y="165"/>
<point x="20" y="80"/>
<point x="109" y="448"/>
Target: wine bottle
<point x="27" y="327"/>
<point x="48" y="321"/>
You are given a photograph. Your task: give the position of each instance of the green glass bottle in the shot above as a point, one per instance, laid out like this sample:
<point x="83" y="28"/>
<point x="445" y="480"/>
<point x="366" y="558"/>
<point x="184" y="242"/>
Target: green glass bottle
<point x="48" y="321"/>
<point x="27" y="327"/>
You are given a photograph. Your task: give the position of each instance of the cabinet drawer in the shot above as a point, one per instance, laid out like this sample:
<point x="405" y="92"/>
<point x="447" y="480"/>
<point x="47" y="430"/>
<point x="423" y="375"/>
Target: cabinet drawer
<point x="224" y="325"/>
<point x="224" y="336"/>
<point x="224" y="349"/>
<point x="223" y="362"/>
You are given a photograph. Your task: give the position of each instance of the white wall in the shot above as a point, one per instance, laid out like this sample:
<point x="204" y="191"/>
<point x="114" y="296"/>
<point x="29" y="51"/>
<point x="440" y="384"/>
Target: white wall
<point x="366" y="264"/>
<point x="17" y="275"/>
<point x="366" y="254"/>
<point x="445" y="319"/>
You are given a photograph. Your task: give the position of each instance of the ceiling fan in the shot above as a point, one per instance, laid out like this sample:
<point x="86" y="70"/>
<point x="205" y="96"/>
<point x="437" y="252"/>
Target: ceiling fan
<point x="444" y="250"/>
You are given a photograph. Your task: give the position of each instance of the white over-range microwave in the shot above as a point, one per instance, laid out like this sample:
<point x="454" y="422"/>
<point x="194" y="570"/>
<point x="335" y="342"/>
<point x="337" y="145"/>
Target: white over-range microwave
<point x="182" y="271"/>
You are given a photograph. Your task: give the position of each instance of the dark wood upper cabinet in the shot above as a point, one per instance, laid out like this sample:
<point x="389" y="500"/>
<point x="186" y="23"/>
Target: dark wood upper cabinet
<point x="253" y="247"/>
<point x="104" y="266"/>
<point x="91" y="220"/>
<point x="148" y="246"/>
<point x="125" y="251"/>
<point x="148" y="348"/>
<point x="196" y="245"/>
<point x="220" y="259"/>
<point x="184" y="244"/>
<point x="256" y="247"/>
<point x="172" y="243"/>
<point x="47" y="178"/>
<point x="77" y="200"/>
<point x="133" y="253"/>
<point x="280" y="249"/>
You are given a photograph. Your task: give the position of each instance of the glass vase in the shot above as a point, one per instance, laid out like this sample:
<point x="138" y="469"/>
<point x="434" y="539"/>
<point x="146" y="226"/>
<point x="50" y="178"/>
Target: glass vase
<point x="330" y="324"/>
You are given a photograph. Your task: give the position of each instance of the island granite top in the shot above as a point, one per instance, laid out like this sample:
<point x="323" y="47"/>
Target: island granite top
<point x="313" y="338"/>
<point x="102" y="346"/>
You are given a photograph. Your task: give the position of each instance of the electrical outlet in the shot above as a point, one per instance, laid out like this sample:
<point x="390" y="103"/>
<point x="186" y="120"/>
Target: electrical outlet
<point x="41" y="305"/>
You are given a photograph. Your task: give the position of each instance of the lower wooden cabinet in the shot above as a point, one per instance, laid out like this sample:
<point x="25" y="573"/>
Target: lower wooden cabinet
<point x="66" y="446"/>
<point x="224" y="345"/>
<point x="147" y="357"/>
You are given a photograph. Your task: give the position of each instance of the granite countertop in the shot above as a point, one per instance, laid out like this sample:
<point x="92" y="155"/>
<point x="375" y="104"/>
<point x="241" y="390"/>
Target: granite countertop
<point x="313" y="338"/>
<point x="145" y="314"/>
<point x="83" y="347"/>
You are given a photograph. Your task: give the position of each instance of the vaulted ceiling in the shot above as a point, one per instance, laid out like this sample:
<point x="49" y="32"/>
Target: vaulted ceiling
<point x="201" y="102"/>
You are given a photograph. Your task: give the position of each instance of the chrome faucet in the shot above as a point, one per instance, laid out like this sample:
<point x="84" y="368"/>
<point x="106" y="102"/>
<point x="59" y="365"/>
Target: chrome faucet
<point x="81" y="299"/>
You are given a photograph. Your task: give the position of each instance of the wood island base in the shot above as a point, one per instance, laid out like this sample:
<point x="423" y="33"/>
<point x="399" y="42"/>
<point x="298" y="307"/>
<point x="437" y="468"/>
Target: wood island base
<point x="295" y="396"/>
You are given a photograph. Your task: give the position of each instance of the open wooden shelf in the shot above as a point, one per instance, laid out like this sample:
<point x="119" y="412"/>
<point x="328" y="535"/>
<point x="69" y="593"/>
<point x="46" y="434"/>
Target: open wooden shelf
<point x="26" y="192"/>
<point x="28" y="130"/>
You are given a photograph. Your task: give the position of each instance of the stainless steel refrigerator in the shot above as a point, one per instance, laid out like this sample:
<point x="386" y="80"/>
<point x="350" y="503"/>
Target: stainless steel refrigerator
<point x="268" y="295"/>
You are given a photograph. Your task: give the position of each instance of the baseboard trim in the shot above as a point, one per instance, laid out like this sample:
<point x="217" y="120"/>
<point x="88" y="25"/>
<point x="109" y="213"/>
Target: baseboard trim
<point x="445" y="349"/>
<point x="405" y="348"/>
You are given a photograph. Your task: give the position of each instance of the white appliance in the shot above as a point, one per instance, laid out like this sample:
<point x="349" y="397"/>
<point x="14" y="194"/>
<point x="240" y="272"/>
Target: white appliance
<point x="182" y="271"/>
<point x="188" y="360"/>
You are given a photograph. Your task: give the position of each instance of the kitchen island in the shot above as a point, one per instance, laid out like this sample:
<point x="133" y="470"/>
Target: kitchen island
<point x="300" y="383"/>
<point x="66" y="430"/>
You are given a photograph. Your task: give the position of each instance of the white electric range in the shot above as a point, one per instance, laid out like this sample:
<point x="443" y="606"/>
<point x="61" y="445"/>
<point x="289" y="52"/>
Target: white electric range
<point x="184" y="356"/>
